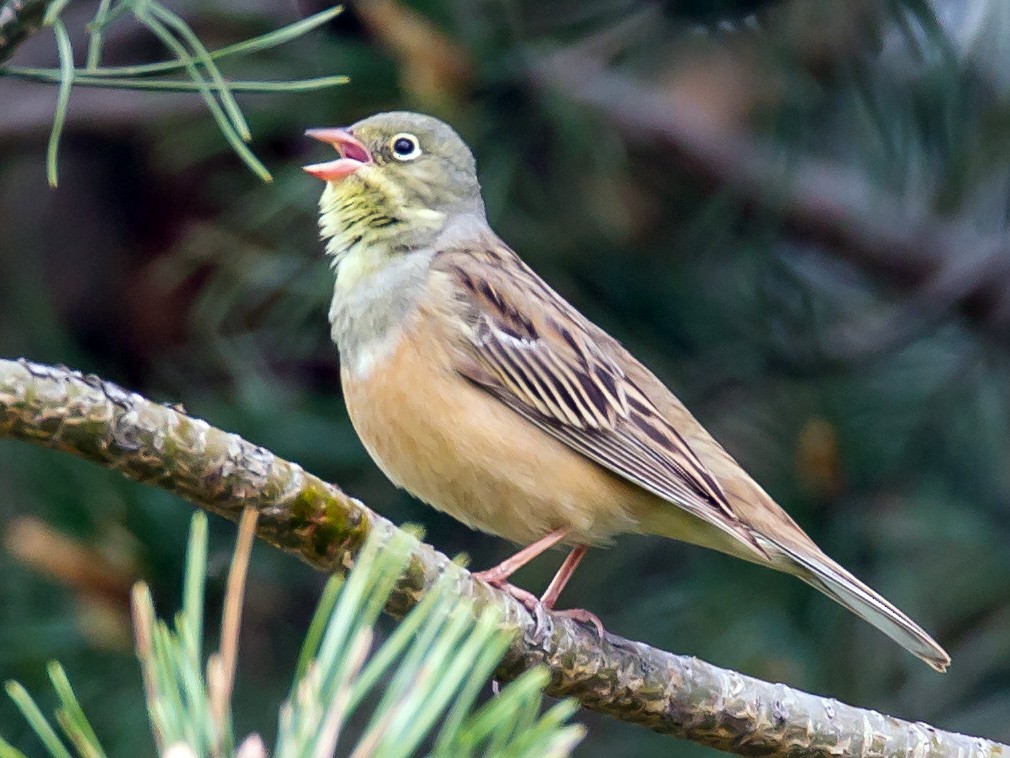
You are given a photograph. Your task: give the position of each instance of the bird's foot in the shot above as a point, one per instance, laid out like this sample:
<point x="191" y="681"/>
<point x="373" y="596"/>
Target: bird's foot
<point x="544" y="624"/>
<point x="496" y="580"/>
<point x="535" y="606"/>
<point x="583" y="616"/>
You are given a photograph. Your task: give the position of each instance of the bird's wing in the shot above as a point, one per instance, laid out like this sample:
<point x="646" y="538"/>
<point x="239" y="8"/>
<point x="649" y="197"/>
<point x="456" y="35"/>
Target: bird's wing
<point x="534" y="352"/>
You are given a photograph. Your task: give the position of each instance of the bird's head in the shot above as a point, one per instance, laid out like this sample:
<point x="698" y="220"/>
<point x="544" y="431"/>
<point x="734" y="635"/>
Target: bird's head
<point x="399" y="176"/>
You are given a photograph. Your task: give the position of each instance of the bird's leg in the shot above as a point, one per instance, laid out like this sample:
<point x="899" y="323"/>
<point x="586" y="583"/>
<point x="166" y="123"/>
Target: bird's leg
<point x="498" y="576"/>
<point x="550" y="597"/>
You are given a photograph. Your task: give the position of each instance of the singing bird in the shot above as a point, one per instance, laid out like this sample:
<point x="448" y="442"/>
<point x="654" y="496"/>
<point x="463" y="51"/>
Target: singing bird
<point x="483" y="392"/>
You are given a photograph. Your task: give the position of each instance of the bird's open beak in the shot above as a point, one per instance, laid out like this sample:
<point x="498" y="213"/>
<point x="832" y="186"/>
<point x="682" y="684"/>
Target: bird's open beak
<point x="353" y="154"/>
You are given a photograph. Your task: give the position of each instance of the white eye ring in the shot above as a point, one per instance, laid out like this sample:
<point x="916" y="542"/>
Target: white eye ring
<point x="404" y="147"/>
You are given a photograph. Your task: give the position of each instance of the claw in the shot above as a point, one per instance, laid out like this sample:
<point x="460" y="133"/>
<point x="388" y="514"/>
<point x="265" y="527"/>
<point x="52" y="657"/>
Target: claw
<point x="583" y="616"/>
<point x="528" y="599"/>
<point x="496" y="580"/>
<point x="493" y="576"/>
<point x="542" y="626"/>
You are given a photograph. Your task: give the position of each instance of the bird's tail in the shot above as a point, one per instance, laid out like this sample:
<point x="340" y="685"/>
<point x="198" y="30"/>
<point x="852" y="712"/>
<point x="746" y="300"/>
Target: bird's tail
<point x="821" y="572"/>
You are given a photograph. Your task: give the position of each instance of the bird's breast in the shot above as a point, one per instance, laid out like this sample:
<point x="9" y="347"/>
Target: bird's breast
<point x="459" y="449"/>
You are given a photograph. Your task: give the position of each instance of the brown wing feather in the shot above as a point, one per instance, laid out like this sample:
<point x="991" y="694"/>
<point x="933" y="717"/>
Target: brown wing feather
<point x="539" y="356"/>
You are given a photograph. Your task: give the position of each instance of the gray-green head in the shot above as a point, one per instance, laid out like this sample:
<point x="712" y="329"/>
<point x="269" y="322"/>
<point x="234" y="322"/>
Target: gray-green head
<point x="402" y="160"/>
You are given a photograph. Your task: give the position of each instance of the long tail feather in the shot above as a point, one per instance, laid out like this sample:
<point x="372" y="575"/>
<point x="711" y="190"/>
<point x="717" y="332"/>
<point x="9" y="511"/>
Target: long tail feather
<point x="821" y="572"/>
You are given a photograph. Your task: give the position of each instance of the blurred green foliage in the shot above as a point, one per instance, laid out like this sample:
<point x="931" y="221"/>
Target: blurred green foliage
<point x="163" y="264"/>
<point x="417" y="690"/>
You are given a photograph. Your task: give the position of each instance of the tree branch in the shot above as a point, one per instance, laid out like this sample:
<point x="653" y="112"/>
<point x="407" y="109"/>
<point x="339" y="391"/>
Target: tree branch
<point x="316" y="521"/>
<point x="943" y="264"/>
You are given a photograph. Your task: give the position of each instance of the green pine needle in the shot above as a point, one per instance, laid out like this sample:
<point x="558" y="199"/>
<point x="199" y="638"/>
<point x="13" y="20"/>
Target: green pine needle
<point x="191" y="57"/>
<point x="279" y="36"/>
<point x="430" y="671"/>
<point x="30" y="710"/>
<point x="252" y="45"/>
<point x="66" y="54"/>
<point x="96" y="33"/>
<point x="53" y="11"/>
<point x="71" y="716"/>
<point x="223" y="122"/>
<point x="7" y="750"/>
<point x="310" y="647"/>
<point x="188" y="38"/>
<point x="193" y="592"/>
<point x="84" y="79"/>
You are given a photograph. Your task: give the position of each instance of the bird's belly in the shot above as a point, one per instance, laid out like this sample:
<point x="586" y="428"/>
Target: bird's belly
<point x="459" y="449"/>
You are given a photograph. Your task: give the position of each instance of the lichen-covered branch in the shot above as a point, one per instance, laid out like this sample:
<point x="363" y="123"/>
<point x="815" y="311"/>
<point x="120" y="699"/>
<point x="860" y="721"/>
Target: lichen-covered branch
<point x="19" y="19"/>
<point x="305" y="516"/>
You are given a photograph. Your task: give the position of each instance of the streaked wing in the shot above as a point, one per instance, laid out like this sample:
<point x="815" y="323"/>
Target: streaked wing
<point x="535" y="353"/>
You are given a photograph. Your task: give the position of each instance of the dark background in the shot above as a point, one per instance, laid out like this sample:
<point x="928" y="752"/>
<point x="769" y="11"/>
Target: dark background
<point x="874" y="407"/>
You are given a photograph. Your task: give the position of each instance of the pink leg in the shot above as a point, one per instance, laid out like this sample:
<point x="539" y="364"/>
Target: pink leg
<point x="561" y="578"/>
<point x="558" y="583"/>
<point x="498" y="576"/>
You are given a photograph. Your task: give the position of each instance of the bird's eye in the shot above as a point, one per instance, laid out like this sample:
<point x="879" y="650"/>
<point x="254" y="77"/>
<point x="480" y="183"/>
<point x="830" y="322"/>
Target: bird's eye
<point x="405" y="147"/>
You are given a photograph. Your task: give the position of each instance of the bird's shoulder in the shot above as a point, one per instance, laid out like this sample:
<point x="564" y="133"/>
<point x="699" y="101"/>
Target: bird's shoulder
<point x="537" y="344"/>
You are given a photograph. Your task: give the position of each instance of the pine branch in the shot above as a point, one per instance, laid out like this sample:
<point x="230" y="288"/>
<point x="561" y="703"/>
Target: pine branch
<point x="307" y="517"/>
